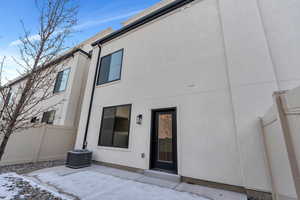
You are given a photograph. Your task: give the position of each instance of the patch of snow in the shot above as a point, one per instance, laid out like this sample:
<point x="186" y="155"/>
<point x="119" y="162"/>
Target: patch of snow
<point x="7" y="191"/>
<point x="88" y="185"/>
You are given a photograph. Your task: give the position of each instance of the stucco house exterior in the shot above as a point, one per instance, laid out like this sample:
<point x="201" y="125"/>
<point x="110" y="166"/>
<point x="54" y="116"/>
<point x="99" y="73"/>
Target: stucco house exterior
<point x="56" y="128"/>
<point x="180" y="88"/>
<point x="72" y="69"/>
<point x="68" y="89"/>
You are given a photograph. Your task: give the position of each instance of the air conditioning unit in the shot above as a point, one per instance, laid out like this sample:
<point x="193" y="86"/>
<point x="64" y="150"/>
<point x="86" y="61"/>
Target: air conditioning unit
<point x="79" y="159"/>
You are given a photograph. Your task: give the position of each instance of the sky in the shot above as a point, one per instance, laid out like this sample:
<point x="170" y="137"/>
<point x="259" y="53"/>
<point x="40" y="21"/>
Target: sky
<point x="93" y="16"/>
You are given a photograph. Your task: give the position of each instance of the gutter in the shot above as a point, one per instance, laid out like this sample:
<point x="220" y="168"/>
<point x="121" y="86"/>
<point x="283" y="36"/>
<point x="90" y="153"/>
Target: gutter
<point x="144" y="20"/>
<point x="84" y="145"/>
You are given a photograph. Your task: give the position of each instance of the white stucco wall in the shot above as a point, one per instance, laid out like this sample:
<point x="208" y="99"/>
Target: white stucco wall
<point x="252" y="80"/>
<point x="282" y="28"/>
<point x="214" y="61"/>
<point x="158" y="72"/>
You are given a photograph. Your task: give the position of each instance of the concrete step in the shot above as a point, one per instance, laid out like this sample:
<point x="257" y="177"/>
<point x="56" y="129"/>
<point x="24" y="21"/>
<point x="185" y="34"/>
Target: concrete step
<point x="162" y="175"/>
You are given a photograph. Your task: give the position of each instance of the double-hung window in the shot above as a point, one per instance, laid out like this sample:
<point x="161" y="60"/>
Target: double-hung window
<point x="61" y="81"/>
<point x="110" y="68"/>
<point x="115" y="126"/>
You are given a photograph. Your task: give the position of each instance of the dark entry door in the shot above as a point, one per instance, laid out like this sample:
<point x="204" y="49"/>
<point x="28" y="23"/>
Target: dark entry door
<point x="164" y="140"/>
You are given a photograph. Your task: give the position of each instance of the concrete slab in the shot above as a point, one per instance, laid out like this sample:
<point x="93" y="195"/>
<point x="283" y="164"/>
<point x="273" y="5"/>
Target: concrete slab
<point x="158" y="182"/>
<point x="91" y="185"/>
<point x="211" y="193"/>
<point x="162" y="175"/>
<point x="98" y="178"/>
<point x="116" y="172"/>
<point x="60" y="170"/>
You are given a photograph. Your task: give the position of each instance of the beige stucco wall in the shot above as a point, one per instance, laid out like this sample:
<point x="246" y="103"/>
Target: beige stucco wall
<point x="52" y="142"/>
<point x="67" y="104"/>
<point x="39" y="144"/>
<point x="77" y="84"/>
<point x="277" y="155"/>
<point x="214" y="61"/>
<point x="284" y="165"/>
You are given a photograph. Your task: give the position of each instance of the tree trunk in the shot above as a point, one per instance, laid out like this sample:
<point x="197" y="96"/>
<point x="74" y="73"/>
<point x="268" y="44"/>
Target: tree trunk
<point x="15" y="115"/>
<point x="3" y="145"/>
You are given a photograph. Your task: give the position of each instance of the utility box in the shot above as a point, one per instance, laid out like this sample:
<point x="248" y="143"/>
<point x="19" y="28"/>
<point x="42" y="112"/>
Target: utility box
<point x="79" y="159"/>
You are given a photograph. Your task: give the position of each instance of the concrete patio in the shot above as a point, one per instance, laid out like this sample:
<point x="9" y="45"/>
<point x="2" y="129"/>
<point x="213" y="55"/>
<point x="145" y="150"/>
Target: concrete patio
<point x="100" y="182"/>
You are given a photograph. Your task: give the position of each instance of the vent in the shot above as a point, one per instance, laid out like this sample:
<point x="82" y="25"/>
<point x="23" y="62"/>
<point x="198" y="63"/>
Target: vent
<point x="79" y="159"/>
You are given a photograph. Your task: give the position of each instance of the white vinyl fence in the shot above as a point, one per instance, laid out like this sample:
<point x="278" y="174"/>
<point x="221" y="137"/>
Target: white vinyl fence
<point x="39" y="144"/>
<point x="281" y="131"/>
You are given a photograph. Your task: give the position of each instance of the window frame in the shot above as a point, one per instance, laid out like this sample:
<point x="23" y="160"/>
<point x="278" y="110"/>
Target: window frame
<point x="42" y="121"/>
<point x="35" y="120"/>
<point x="67" y="82"/>
<point x="129" y="125"/>
<point x="99" y="67"/>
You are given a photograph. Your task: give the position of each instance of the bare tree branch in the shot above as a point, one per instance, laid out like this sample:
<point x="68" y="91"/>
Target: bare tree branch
<point x="24" y="101"/>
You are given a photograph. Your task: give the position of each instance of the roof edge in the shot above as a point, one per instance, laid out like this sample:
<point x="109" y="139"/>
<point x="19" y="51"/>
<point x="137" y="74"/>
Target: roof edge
<point x="143" y="20"/>
<point x="54" y="62"/>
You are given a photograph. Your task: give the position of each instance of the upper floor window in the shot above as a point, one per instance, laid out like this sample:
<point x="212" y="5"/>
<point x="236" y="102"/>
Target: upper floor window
<point x="48" y="117"/>
<point x="61" y="81"/>
<point x="110" y="68"/>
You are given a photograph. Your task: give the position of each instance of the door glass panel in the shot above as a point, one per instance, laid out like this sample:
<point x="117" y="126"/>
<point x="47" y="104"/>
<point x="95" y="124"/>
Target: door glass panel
<point x="165" y="150"/>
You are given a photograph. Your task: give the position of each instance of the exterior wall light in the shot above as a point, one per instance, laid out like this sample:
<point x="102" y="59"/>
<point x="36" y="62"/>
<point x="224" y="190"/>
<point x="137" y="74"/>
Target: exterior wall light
<point x="139" y="119"/>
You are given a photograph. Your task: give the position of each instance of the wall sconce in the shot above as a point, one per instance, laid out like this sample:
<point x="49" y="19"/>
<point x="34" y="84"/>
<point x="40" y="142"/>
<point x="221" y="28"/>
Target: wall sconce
<point x="139" y="119"/>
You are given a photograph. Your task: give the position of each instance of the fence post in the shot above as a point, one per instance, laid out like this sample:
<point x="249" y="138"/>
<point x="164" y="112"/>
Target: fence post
<point x="280" y="106"/>
<point x="43" y="132"/>
<point x="274" y="189"/>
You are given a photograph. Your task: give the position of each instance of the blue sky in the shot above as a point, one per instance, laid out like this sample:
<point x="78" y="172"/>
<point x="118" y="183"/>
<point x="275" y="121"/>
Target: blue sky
<point x="94" y="16"/>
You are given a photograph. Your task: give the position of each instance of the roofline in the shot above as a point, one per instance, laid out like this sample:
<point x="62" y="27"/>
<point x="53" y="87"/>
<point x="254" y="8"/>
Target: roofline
<point x="146" y="19"/>
<point x="55" y="61"/>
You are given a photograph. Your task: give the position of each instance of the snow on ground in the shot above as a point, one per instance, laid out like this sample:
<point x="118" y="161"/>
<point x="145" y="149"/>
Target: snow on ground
<point x="11" y="185"/>
<point x="5" y="192"/>
<point x="88" y="185"/>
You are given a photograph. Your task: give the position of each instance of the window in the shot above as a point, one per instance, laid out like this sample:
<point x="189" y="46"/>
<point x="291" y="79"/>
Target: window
<point x="110" y="68"/>
<point x="34" y="120"/>
<point x="48" y="117"/>
<point x="61" y="81"/>
<point x="115" y="125"/>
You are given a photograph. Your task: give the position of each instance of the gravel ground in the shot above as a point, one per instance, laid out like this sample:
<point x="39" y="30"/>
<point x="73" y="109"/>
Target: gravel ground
<point x="25" y="190"/>
<point x="29" y="167"/>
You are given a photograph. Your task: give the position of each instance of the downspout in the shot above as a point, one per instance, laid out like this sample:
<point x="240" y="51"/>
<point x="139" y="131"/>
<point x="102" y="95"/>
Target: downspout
<point x="84" y="145"/>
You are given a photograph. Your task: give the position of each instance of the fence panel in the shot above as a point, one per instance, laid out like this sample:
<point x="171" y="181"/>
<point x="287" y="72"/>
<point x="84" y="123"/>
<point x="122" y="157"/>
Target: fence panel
<point x="281" y="126"/>
<point x="39" y="144"/>
<point x="57" y="141"/>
